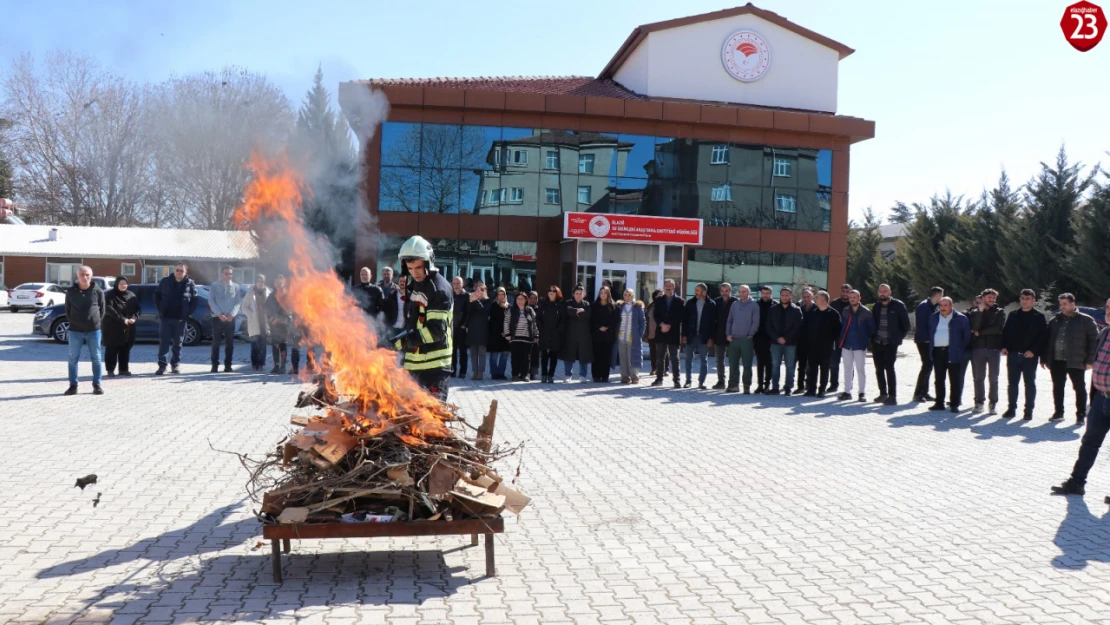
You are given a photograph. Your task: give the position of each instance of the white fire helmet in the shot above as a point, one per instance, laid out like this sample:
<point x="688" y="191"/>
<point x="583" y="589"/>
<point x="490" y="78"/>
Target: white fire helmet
<point x="418" y="248"/>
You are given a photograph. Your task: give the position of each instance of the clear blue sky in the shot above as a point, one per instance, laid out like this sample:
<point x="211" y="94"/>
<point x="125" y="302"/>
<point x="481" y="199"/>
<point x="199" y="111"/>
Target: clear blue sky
<point x="959" y="90"/>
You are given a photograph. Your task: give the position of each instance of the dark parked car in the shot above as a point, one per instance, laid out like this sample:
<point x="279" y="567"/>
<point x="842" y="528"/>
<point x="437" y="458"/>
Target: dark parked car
<point x="1099" y="314"/>
<point x="52" y="321"/>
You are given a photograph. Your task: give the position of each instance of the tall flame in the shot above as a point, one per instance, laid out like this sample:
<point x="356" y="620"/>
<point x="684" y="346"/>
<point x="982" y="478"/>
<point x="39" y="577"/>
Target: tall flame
<point x="385" y="393"/>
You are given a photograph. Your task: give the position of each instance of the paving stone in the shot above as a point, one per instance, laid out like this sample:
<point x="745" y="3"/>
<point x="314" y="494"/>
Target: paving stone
<point x="649" y="506"/>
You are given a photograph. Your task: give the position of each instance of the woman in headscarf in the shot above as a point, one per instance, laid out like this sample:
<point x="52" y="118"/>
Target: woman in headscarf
<point x="121" y="311"/>
<point x="498" y="346"/>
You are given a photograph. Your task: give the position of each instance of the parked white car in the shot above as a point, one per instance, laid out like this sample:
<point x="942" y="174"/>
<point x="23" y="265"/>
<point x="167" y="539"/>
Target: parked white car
<point x="3" y="296"/>
<point x="36" y="295"/>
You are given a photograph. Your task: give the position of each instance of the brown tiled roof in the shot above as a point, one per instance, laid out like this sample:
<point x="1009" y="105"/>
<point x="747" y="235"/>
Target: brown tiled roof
<point x="545" y="85"/>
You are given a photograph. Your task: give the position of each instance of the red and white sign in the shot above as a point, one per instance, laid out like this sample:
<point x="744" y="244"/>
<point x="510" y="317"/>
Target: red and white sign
<point x="1084" y="24"/>
<point x="746" y="56"/>
<point x="637" y="228"/>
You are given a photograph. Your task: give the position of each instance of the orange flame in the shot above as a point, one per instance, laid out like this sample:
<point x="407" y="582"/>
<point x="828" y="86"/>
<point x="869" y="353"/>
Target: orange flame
<point x="385" y="393"/>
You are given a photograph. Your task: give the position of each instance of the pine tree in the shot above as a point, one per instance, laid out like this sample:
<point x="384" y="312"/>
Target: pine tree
<point x="922" y="258"/>
<point x="1038" y="243"/>
<point x="322" y="143"/>
<point x="1089" y="256"/>
<point x="900" y="214"/>
<point x="973" y="251"/>
<point x="863" y="244"/>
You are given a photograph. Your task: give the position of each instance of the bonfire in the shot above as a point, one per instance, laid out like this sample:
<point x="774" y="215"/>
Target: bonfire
<point x="376" y="446"/>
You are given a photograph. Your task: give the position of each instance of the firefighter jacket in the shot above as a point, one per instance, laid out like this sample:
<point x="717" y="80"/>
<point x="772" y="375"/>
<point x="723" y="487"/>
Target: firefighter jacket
<point x="427" y="311"/>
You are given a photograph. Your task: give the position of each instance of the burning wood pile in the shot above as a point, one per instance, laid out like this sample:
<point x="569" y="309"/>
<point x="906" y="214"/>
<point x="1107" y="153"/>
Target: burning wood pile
<point x="344" y="467"/>
<point x="379" y="448"/>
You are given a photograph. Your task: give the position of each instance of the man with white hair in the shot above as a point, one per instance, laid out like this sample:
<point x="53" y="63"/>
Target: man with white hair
<point x="857" y="328"/>
<point x="84" y="311"/>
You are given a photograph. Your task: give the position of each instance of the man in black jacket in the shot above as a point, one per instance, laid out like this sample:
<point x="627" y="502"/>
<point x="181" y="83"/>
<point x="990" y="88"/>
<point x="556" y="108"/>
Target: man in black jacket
<point x="838" y="305"/>
<point x="1023" y="338"/>
<point x="458" y="328"/>
<point x="669" y="311"/>
<point x="1069" y="351"/>
<point x="921" y="338"/>
<point x="720" y="342"/>
<point x="176" y="301"/>
<point x="820" y="329"/>
<point x="783" y="327"/>
<point x="699" y="330"/>
<point x="808" y="306"/>
<point x="84" y="311"/>
<point x="892" y="324"/>
<point x="762" y="341"/>
<point x="369" y="295"/>
<point x="987" y="322"/>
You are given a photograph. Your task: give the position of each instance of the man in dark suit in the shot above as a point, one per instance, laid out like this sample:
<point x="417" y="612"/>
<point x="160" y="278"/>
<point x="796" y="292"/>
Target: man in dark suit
<point x="699" y="329"/>
<point x="669" y="312"/>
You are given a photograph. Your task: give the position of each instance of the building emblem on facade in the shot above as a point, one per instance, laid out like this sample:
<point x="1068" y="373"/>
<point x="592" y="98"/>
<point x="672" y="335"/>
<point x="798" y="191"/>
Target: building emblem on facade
<point x="599" y="226"/>
<point x="746" y="56"/>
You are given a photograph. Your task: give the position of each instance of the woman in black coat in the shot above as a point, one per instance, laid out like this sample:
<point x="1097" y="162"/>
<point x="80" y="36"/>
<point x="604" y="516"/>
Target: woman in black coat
<point x="121" y="311"/>
<point x="549" y="317"/>
<point x="576" y="341"/>
<point x="498" y="344"/>
<point x="603" y="324"/>
<point x="477" y="330"/>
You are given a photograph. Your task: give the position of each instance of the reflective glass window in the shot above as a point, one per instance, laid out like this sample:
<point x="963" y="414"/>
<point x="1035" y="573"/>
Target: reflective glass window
<point x="400" y="144"/>
<point x="745" y="164"/>
<point x="449" y="146"/>
<point x="399" y="189"/>
<point x="627" y="196"/>
<point x="439" y="190"/>
<point x="672" y="255"/>
<point x="479" y="146"/>
<point x="635" y="156"/>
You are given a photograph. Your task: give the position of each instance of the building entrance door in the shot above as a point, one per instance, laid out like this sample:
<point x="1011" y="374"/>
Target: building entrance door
<point x="643" y="280"/>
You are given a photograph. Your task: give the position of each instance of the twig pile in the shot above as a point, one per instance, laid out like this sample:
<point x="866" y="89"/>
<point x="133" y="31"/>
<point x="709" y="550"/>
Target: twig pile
<point x="346" y="465"/>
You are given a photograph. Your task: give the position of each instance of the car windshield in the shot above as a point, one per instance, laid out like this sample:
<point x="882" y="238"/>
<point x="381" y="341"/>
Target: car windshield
<point x="30" y="286"/>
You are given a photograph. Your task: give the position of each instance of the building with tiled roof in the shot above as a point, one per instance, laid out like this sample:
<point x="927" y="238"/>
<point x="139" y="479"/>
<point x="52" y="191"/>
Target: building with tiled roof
<point x="32" y="253"/>
<point x="709" y="148"/>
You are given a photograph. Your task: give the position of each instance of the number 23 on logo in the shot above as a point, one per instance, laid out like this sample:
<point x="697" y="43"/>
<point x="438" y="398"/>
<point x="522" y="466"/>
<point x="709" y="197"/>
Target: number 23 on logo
<point x="1083" y="24"/>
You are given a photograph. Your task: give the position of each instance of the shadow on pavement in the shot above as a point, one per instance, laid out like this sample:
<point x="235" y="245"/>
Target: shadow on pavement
<point x="986" y="426"/>
<point x="1082" y="537"/>
<point x="172" y="568"/>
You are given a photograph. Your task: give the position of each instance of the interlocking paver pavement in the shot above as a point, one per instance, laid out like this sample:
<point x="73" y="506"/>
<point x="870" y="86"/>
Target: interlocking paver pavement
<point x="650" y="506"/>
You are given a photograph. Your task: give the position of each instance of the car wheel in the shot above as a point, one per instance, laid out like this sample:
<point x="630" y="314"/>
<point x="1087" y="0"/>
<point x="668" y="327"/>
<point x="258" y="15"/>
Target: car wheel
<point x="192" y="335"/>
<point x="13" y="309"/>
<point x="60" y="330"/>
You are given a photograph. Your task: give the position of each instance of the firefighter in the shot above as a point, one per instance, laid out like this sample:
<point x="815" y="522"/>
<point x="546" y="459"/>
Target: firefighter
<point x="426" y="338"/>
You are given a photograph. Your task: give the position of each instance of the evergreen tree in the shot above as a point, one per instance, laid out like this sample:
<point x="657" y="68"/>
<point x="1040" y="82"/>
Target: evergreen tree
<point x="922" y="260"/>
<point x="900" y="214"/>
<point x="863" y="245"/>
<point x="973" y="251"/>
<point x="1089" y="256"/>
<point x="1038" y="243"/>
<point x="322" y="143"/>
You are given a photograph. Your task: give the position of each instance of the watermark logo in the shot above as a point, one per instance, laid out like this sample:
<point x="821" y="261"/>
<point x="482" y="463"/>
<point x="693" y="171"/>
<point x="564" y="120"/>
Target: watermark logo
<point x="1083" y="24"/>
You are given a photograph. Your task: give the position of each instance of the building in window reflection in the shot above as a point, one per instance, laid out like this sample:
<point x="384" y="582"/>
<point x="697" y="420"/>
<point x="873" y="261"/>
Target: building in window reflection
<point x="493" y="170"/>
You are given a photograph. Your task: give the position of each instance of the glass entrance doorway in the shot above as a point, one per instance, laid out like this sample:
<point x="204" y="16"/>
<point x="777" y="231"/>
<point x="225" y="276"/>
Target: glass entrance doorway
<point x="642" y="280"/>
<point x="639" y="267"/>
